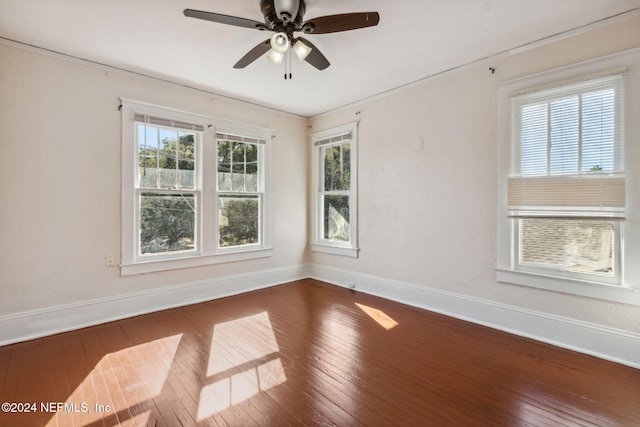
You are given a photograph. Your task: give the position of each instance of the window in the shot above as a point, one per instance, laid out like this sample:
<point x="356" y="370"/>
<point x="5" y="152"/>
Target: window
<point x="567" y="187"/>
<point x="167" y="187"/>
<point x="335" y="182"/>
<point x="194" y="190"/>
<point x="567" y="182"/>
<point x="240" y="190"/>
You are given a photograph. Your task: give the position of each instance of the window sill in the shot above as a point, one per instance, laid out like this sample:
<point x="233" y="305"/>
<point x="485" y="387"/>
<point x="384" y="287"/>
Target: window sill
<point x="152" y="266"/>
<point x="335" y="250"/>
<point x="604" y="291"/>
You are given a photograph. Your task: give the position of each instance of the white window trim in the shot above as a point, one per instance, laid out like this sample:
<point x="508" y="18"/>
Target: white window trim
<point x="317" y="244"/>
<point x="628" y="290"/>
<point x="264" y="181"/>
<point x="207" y="253"/>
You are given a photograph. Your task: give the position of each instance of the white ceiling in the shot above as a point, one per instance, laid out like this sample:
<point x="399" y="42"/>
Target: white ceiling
<point x="414" y="40"/>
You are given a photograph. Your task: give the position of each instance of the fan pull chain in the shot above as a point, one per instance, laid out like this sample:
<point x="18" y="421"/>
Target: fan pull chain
<point x="285" y="66"/>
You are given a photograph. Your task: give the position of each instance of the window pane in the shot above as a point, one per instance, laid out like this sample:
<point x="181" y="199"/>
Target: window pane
<point x="574" y="245"/>
<point x="186" y="160"/>
<point x="336" y="218"/>
<point x="572" y="134"/>
<point x="167" y="223"/>
<point x="238" y="218"/>
<point x="237" y="166"/>
<point x="224" y="165"/>
<point x="565" y="136"/>
<point x="166" y="158"/>
<point x="251" y="168"/>
<point x="337" y="167"/>
<point x="147" y="156"/>
<point x="598" y="129"/>
<point x="534" y="139"/>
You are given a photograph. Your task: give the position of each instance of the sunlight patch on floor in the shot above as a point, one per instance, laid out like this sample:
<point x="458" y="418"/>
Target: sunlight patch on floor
<point x="241" y="341"/>
<point x="91" y="401"/>
<point x="243" y="362"/>
<point x="379" y="316"/>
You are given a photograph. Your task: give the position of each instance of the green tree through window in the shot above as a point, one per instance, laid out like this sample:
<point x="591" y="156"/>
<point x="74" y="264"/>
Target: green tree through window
<point x="239" y="193"/>
<point x="166" y="164"/>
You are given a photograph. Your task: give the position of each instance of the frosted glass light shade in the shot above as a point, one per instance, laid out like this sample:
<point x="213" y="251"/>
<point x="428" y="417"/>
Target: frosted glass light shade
<point x="280" y="42"/>
<point x="275" y="57"/>
<point x="301" y="50"/>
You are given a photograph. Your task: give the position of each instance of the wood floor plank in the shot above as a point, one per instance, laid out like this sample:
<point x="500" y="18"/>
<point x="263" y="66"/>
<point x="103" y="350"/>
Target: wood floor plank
<point x="310" y="354"/>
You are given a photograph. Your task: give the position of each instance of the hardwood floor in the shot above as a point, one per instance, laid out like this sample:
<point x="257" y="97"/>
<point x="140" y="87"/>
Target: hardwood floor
<point x="308" y="353"/>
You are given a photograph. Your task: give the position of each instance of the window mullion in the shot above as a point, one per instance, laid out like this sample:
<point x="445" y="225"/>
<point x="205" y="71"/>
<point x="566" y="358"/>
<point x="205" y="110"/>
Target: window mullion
<point x="158" y="159"/>
<point x="341" y="163"/>
<point x="231" y="165"/>
<point x="177" y="154"/>
<point x="239" y="193"/>
<point x="244" y="180"/>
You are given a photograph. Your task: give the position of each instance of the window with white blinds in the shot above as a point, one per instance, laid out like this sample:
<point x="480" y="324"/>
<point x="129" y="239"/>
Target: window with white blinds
<point x="567" y="156"/>
<point x="567" y="178"/>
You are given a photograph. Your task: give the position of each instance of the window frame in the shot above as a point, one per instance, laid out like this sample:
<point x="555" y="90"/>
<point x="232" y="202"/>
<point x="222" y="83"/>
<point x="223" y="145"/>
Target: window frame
<point x="318" y="242"/>
<point x="545" y="97"/>
<point x="206" y="251"/>
<point x="260" y="193"/>
<point x="196" y="192"/>
<point x="615" y="279"/>
<point x="508" y="268"/>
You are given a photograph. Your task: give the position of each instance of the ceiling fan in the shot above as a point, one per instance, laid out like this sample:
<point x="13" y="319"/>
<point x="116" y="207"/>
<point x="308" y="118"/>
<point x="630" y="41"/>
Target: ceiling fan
<point x="284" y="18"/>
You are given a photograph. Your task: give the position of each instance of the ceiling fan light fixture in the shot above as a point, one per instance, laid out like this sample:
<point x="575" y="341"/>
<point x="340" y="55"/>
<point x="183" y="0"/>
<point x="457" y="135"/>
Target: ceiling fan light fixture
<point x="285" y="18"/>
<point x="280" y="42"/>
<point x="275" y="56"/>
<point x="301" y="50"/>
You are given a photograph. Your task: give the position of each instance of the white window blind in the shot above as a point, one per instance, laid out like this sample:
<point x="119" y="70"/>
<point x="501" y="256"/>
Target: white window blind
<point x="238" y="138"/>
<point x="159" y="121"/>
<point x="333" y="140"/>
<point x="567" y="156"/>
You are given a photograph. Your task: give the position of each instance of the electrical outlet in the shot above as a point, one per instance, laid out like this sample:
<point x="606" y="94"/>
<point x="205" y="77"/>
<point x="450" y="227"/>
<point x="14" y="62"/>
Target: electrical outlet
<point x="109" y="261"/>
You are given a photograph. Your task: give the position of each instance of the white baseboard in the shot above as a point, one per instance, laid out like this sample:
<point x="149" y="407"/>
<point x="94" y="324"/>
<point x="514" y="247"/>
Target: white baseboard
<point x="43" y="322"/>
<point x="596" y="340"/>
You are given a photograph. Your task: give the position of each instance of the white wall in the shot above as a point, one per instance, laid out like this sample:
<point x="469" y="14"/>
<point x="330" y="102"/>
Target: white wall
<point x="427" y="216"/>
<point x="60" y="139"/>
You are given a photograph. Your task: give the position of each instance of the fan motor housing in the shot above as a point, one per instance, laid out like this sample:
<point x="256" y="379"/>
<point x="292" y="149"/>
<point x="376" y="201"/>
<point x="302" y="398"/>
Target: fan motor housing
<point x="274" y="22"/>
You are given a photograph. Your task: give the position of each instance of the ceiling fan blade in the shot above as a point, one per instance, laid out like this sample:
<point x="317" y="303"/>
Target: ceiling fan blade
<point x="315" y="57"/>
<point x="254" y="54"/>
<point x="341" y="22"/>
<point x="224" y="19"/>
